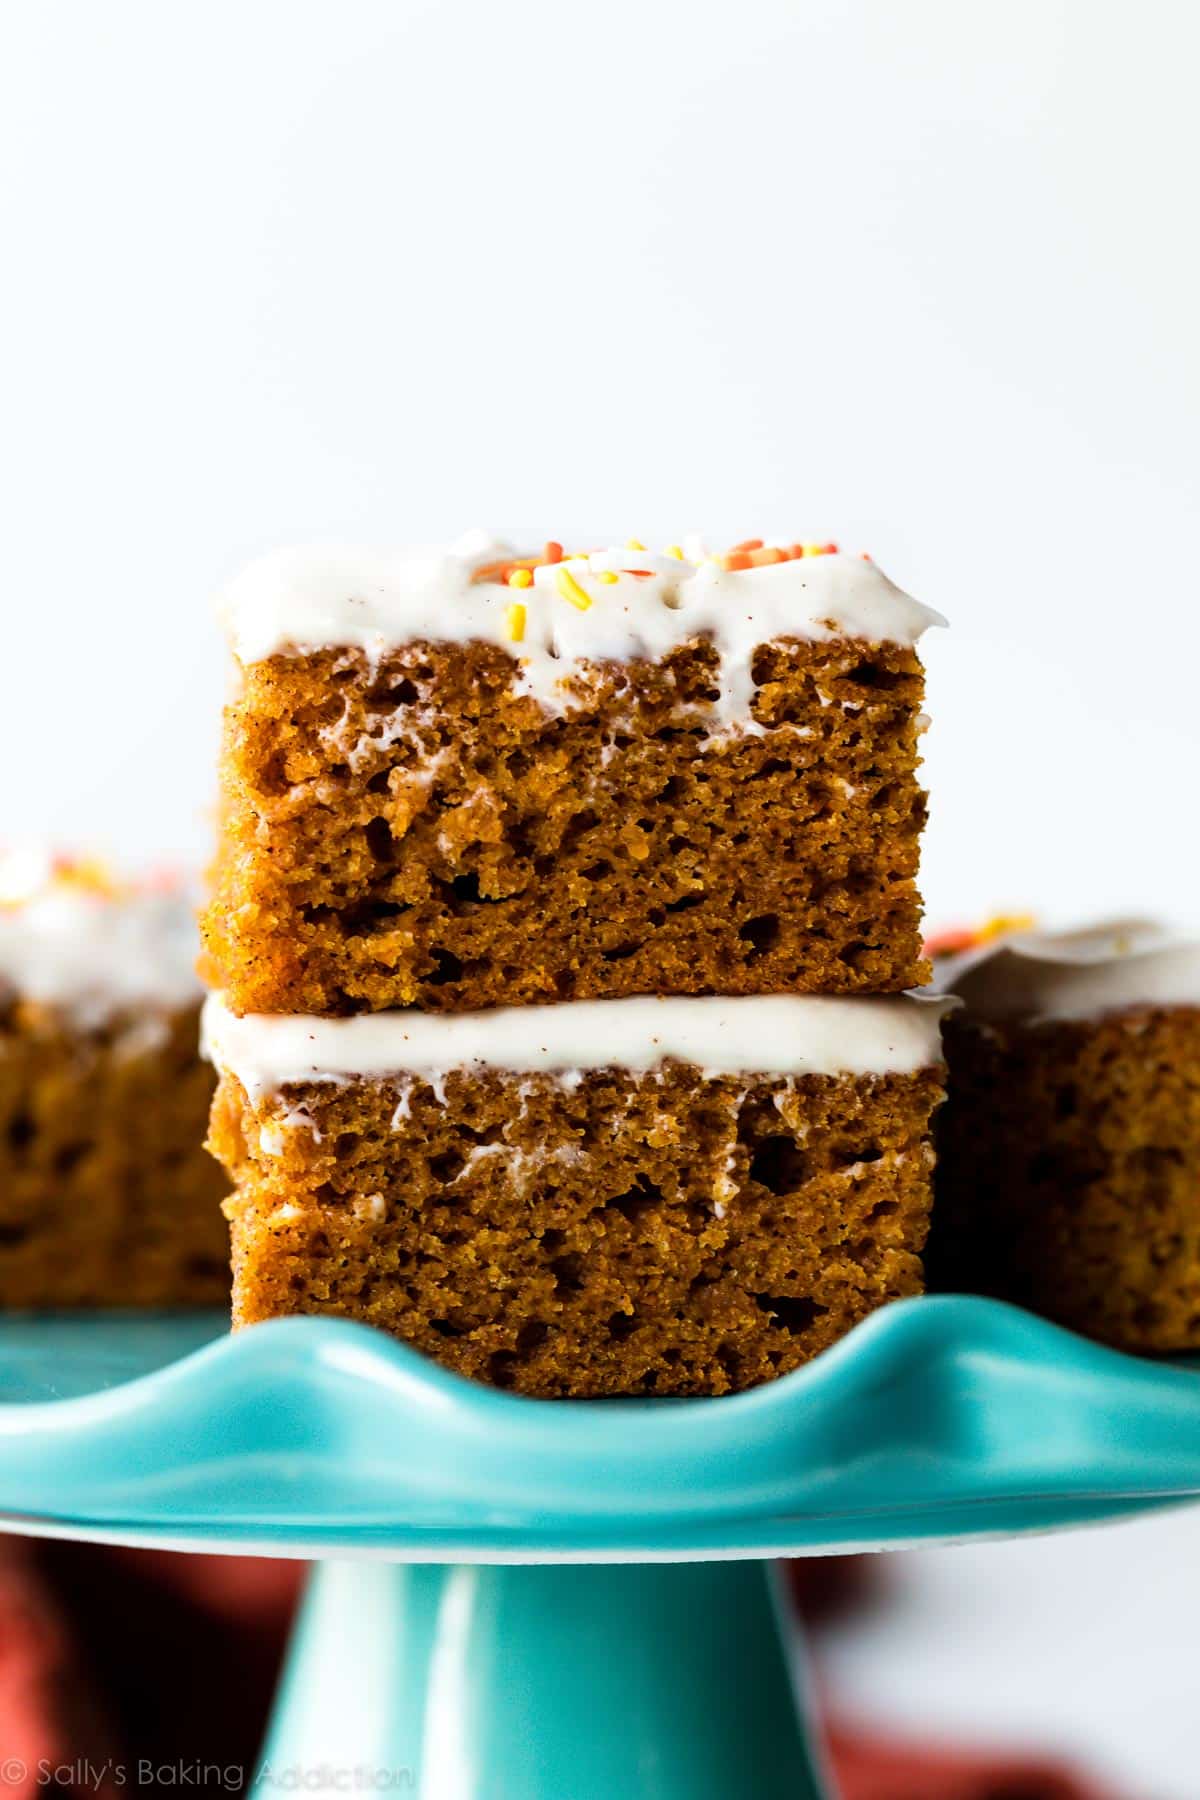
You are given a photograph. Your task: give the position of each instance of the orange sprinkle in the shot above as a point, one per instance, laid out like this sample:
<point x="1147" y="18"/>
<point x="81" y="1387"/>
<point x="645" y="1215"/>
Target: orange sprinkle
<point x="750" y="553"/>
<point x="500" y="571"/>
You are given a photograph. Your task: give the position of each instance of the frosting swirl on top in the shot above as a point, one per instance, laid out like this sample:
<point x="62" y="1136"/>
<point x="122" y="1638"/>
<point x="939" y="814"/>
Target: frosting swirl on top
<point x="611" y="605"/>
<point x="1042" y="977"/>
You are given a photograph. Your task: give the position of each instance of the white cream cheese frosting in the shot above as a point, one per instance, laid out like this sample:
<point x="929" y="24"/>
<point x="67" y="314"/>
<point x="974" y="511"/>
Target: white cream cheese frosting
<point x="627" y="604"/>
<point x="1042" y="977"/>
<point x="774" y="1034"/>
<point x="89" y="951"/>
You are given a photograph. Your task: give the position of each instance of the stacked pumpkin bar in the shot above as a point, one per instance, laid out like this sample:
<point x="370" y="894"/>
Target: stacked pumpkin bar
<point x="561" y="919"/>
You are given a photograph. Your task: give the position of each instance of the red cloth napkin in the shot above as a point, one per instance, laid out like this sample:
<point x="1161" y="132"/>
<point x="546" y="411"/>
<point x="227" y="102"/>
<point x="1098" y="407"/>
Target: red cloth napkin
<point x="869" y="1767"/>
<point x="144" y="1671"/>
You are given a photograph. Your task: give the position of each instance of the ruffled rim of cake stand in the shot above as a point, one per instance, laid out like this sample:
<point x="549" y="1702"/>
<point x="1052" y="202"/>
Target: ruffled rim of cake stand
<point x="936" y="1418"/>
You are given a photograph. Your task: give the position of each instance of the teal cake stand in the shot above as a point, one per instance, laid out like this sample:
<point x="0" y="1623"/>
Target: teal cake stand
<point x="531" y="1600"/>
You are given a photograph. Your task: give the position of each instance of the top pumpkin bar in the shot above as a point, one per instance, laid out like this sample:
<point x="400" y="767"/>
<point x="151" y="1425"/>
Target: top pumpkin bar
<point x="465" y="779"/>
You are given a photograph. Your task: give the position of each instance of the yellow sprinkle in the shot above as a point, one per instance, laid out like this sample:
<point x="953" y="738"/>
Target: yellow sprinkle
<point x="608" y="578"/>
<point x="89" y="873"/>
<point x="520" y="578"/>
<point x="570" y="589"/>
<point x="1003" y="924"/>
<point x="634" y="544"/>
<point x="514" y="618"/>
<point x="813" y="549"/>
<point x="675" y="550"/>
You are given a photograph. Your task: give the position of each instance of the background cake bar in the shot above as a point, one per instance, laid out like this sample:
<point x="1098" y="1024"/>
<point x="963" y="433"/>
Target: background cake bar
<point x="1069" y="1149"/>
<point x="466" y="780"/>
<point x="616" y="1197"/>
<point x="106" y="1196"/>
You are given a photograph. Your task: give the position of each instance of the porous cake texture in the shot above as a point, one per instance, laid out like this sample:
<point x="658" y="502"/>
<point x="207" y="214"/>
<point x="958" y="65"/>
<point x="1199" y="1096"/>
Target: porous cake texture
<point x="470" y="779"/>
<point x="585" y="1199"/>
<point x="106" y="1196"/>
<point x="1069" y="1150"/>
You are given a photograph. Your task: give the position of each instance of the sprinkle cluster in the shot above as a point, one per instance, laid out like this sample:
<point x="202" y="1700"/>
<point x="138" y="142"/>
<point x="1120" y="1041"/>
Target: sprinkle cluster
<point x="26" y="875"/>
<point x="753" y="553"/>
<point x="957" y="938"/>
<point x="517" y="572"/>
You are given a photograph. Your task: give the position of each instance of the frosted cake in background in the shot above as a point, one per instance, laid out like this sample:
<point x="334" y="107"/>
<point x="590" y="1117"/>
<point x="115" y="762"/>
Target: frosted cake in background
<point x="106" y="1196"/>
<point x="1069" y="1148"/>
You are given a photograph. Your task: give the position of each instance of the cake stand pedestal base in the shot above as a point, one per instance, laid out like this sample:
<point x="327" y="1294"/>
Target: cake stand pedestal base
<point x="515" y="1682"/>
<point x="518" y="1673"/>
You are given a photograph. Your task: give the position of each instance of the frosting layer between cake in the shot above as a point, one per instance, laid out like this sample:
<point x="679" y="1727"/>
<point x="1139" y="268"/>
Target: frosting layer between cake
<point x="612" y="605"/>
<point x="1045" y="976"/>
<point x="757" y="1034"/>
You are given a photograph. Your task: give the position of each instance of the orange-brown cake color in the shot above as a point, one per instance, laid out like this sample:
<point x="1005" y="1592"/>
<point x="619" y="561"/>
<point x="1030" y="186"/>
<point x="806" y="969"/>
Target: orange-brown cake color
<point x="106" y="1197"/>
<point x="1069" y="1171"/>
<point x="560" y="918"/>
<point x="411" y="830"/>
<point x="622" y="1233"/>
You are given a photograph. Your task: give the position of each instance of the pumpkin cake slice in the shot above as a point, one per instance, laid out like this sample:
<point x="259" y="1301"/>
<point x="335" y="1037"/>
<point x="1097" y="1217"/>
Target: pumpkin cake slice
<point x="466" y="779"/>
<point x="636" y="1196"/>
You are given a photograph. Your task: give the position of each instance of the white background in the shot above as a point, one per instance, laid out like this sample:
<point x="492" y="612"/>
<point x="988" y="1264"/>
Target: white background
<point x="921" y="276"/>
<point x="1080" y="1646"/>
<point x="917" y="274"/>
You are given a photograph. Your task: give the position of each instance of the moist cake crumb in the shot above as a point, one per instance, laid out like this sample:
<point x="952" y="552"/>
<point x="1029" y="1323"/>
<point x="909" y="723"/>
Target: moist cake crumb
<point x="1068" y="1173"/>
<point x="662" y="1229"/>
<point x="407" y="825"/>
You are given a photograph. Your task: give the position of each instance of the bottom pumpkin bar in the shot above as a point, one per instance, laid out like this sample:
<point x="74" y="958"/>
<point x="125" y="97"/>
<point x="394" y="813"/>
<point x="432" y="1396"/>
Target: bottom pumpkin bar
<point x="641" y="1196"/>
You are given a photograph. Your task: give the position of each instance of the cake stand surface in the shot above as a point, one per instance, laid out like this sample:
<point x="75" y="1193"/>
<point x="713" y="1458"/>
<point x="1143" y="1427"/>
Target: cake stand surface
<point x="523" y="1600"/>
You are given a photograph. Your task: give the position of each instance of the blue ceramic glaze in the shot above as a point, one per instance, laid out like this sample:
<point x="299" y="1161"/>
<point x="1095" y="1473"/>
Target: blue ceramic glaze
<point x="453" y="1670"/>
<point x="935" y="1418"/>
<point x="481" y="1683"/>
